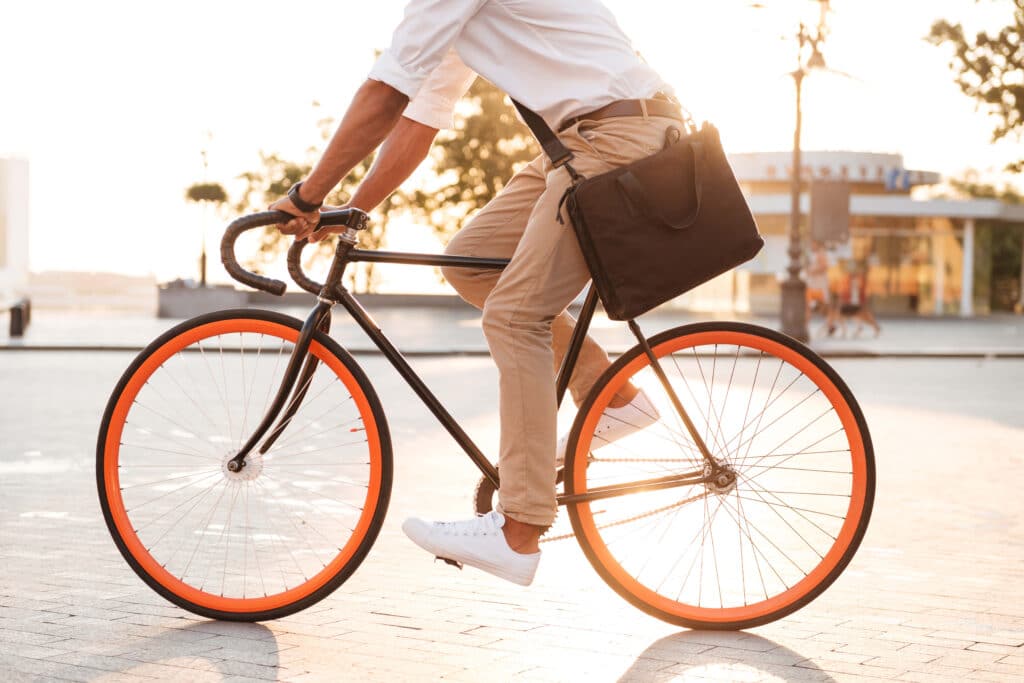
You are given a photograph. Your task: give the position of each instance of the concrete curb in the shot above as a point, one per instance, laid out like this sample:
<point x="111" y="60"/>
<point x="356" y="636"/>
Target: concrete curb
<point x="984" y="354"/>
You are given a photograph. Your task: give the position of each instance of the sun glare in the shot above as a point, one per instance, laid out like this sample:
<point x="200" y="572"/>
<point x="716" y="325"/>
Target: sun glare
<point x="211" y="69"/>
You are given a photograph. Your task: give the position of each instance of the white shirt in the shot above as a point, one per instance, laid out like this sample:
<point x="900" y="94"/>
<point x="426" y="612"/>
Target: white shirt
<point x="560" y="58"/>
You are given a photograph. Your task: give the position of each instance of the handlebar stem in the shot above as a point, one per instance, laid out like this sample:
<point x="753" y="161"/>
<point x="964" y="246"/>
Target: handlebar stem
<point x="330" y="289"/>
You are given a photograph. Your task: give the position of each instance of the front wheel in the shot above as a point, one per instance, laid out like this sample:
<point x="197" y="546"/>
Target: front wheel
<point x="289" y="527"/>
<point x="732" y="551"/>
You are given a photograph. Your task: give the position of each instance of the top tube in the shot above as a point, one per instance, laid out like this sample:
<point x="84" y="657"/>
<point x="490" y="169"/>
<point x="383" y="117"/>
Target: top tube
<point x="345" y="252"/>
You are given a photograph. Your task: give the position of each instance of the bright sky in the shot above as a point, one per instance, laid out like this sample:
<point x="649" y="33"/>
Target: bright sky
<point x="112" y="100"/>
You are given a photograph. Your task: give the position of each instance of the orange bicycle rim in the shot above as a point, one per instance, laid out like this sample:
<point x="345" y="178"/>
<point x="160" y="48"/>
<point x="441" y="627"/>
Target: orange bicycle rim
<point x="118" y="512"/>
<point x="832" y="559"/>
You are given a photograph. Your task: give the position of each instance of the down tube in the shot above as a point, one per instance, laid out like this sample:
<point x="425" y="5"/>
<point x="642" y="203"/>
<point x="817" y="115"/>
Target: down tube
<point x="398" y="361"/>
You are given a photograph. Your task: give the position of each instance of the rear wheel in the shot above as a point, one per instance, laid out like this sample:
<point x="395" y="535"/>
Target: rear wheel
<point x="295" y="522"/>
<point x="734" y="551"/>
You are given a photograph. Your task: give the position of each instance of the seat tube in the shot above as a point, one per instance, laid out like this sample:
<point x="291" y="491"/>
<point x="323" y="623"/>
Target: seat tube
<point x="579" y="335"/>
<point x="676" y="403"/>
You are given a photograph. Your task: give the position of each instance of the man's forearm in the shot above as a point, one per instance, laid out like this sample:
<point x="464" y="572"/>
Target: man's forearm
<point x="403" y="151"/>
<point x="371" y="116"/>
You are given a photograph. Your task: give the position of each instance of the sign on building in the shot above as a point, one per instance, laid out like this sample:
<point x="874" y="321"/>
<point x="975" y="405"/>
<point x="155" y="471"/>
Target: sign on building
<point x="830" y="212"/>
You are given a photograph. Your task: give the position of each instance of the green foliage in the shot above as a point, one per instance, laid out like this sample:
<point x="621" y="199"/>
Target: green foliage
<point x="977" y="190"/>
<point x="206" y="192"/>
<point x="275" y="176"/>
<point x="471" y="165"/>
<point x="1000" y="246"/>
<point x="474" y="161"/>
<point x="989" y="67"/>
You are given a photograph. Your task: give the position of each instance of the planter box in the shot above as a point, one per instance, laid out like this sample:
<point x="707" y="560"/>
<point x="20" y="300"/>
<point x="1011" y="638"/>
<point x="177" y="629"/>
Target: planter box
<point x="175" y="301"/>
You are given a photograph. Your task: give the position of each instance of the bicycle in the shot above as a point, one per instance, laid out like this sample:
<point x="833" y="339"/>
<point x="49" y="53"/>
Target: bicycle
<point x="743" y="502"/>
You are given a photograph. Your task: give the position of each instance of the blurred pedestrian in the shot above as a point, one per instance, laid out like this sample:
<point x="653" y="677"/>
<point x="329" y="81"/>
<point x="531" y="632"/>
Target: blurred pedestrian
<point x="818" y="298"/>
<point x="855" y="302"/>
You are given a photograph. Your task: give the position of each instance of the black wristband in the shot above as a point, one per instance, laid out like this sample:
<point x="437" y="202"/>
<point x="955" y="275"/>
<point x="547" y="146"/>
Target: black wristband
<point x="300" y="203"/>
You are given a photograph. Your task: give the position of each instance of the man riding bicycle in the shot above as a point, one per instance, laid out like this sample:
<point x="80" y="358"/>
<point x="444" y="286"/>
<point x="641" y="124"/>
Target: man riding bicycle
<point x="571" y="64"/>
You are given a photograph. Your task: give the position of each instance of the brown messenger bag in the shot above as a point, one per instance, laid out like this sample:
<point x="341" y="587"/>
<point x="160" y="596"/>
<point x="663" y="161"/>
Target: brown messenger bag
<point x="657" y="227"/>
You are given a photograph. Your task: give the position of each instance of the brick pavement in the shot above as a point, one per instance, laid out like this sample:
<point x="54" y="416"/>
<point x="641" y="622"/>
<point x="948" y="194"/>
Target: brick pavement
<point x="935" y="593"/>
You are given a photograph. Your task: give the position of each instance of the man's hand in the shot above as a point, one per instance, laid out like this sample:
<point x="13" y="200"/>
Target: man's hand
<point x="302" y="225"/>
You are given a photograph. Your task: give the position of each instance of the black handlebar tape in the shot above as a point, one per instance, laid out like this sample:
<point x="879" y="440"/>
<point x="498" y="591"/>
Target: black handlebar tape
<point x="227" y="250"/>
<point x="295" y="268"/>
<point x="259" y="220"/>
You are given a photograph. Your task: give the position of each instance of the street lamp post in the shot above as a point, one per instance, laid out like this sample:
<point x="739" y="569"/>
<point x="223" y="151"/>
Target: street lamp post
<point x="794" y="289"/>
<point x="202" y="228"/>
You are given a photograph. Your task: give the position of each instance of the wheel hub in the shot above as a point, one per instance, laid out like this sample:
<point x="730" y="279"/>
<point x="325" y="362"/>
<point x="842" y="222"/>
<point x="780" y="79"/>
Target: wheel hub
<point x="721" y="481"/>
<point x="252" y="467"/>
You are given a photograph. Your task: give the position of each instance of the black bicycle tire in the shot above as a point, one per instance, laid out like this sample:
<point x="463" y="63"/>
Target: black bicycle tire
<point x="840" y="385"/>
<point x="377" y="521"/>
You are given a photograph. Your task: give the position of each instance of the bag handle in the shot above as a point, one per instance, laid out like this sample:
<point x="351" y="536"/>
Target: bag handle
<point x="636" y="194"/>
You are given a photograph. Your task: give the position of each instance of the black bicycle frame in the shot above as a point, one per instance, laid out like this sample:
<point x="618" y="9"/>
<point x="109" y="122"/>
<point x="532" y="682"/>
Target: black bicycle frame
<point x="398" y="361"/>
<point x="302" y="366"/>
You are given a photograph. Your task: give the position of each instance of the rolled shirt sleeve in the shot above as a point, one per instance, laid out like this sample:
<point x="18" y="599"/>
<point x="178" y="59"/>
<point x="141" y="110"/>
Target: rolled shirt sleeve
<point x="421" y="41"/>
<point x="434" y="104"/>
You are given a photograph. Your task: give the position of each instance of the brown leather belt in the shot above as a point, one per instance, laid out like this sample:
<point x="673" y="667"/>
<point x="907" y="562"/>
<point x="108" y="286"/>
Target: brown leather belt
<point x="655" y="107"/>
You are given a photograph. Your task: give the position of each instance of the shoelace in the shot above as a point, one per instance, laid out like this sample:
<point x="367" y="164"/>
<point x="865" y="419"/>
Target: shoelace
<point x="481" y="526"/>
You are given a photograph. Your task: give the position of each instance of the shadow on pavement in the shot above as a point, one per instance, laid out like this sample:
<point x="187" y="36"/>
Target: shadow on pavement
<point x="722" y="656"/>
<point x="232" y="649"/>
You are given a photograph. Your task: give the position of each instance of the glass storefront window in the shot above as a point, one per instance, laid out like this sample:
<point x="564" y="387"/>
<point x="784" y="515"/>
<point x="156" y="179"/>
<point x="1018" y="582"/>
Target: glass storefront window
<point x="908" y="271"/>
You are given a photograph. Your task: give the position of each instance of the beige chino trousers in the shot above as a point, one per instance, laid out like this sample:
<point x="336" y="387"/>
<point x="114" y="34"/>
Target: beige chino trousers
<point x="524" y="317"/>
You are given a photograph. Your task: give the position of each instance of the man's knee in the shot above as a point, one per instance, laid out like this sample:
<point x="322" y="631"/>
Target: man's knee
<point x="502" y="320"/>
<point x="495" y="319"/>
<point x="466" y="281"/>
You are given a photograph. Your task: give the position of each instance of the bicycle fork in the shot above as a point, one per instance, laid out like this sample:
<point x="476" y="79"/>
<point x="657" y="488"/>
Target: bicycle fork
<point x="717" y="473"/>
<point x="297" y="379"/>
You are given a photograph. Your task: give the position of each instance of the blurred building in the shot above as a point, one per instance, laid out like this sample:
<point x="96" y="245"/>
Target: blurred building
<point x="926" y="257"/>
<point x="13" y="228"/>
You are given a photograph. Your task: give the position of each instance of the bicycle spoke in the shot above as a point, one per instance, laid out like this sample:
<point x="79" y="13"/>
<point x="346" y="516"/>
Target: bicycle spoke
<point x="314" y="492"/>
<point x="197" y="497"/>
<point x="772" y="451"/>
<point x="166" y="402"/>
<point x="168" y="493"/>
<point x="204" y="458"/>
<point x="201" y="533"/>
<point x="294" y="434"/>
<point x="332" y="543"/>
<point x="786" y="522"/>
<point x="166" y="479"/>
<point x="185" y="430"/>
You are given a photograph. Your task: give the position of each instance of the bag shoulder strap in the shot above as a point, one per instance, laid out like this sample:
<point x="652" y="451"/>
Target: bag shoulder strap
<point x="559" y="154"/>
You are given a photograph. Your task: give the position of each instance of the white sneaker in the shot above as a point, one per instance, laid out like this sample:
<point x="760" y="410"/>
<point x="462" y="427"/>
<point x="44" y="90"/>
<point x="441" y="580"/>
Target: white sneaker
<point x="478" y="542"/>
<point x="616" y="423"/>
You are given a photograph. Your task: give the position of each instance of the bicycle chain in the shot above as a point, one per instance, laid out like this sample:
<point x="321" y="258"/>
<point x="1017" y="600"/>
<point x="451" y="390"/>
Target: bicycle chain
<point x="630" y="519"/>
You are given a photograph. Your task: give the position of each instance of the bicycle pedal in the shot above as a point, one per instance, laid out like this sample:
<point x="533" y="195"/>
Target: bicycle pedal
<point x="448" y="560"/>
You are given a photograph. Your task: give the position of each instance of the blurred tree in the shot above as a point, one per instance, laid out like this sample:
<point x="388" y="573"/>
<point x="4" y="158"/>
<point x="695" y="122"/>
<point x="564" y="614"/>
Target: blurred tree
<point x="1001" y="246"/>
<point x="990" y="68"/>
<point x="475" y="160"/>
<point x="206" y="194"/>
<point x="271" y="181"/>
<point x="470" y="165"/>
